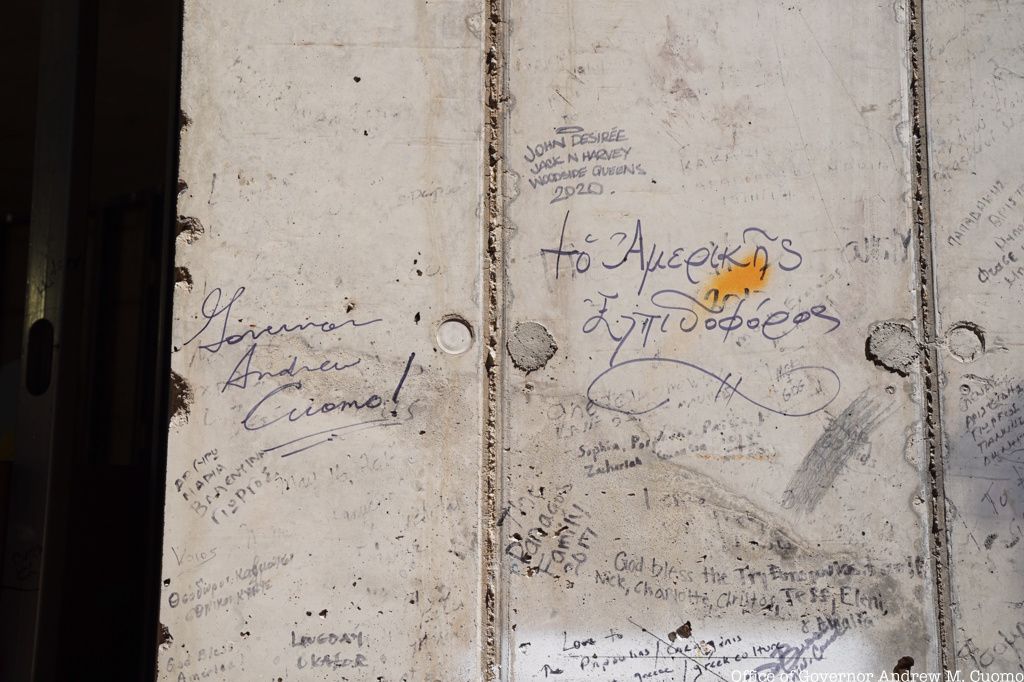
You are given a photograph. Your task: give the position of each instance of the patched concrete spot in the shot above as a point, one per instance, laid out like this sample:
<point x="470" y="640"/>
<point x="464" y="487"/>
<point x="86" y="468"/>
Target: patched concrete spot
<point x="454" y="335"/>
<point x="891" y="345"/>
<point x="965" y="341"/>
<point x="531" y="346"/>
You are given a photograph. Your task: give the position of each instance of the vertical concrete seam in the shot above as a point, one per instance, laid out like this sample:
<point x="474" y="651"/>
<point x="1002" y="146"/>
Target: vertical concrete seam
<point x="929" y="356"/>
<point x="494" y="328"/>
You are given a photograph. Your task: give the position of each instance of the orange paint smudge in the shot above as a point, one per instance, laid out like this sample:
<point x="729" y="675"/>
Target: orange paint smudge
<point x="738" y="281"/>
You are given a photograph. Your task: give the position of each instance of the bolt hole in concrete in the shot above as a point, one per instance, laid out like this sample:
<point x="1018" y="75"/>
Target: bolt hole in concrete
<point x="965" y="341"/>
<point x="531" y="346"/>
<point x="454" y="335"/>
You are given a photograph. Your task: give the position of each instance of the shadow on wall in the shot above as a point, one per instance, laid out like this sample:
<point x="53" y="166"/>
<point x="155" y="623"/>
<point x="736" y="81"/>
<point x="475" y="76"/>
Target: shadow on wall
<point x="107" y="601"/>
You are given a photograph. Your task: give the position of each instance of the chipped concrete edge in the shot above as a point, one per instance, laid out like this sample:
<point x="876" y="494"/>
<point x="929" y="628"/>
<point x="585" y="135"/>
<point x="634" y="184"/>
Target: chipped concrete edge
<point x="928" y="365"/>
<point x="494" y="265"/>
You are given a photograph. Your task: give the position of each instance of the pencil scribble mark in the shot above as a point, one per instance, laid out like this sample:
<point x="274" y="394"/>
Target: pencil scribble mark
<point x="846" y="435"/>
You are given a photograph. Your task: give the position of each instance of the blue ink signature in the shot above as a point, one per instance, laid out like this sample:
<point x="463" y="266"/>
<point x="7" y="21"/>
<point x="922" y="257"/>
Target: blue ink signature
<point x="730" y="389"/>
<point x="240" y="376"/>
<point x="372" y="401"/>
<point x="213" y="310"/>
<point x="790" y="659"/>
<point x="302" y="444"/>
<point x="693" y="262"/>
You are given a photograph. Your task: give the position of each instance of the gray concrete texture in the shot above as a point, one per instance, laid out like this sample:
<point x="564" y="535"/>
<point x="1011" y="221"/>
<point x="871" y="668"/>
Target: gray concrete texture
<point x="597" y="341"/>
